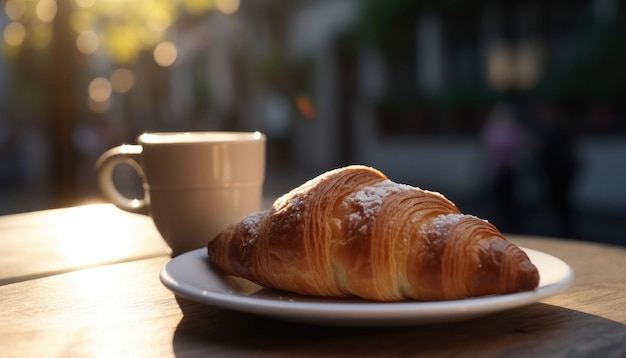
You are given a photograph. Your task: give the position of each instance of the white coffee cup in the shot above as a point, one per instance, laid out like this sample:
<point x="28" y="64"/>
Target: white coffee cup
<point x="195" y="183"/>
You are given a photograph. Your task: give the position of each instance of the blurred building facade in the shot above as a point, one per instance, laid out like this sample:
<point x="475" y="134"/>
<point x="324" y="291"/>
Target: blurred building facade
<point x="405" y="86"/>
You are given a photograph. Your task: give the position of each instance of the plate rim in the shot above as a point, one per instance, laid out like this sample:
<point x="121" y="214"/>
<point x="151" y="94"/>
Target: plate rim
<point x="361" y="312"/>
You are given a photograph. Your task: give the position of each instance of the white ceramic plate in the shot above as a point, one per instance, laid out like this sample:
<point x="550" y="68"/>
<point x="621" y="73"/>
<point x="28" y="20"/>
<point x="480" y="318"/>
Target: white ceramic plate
<point x="190" y="275"/>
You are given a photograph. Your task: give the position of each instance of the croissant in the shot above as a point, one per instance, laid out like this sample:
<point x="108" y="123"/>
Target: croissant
<point x="353" y="232"/>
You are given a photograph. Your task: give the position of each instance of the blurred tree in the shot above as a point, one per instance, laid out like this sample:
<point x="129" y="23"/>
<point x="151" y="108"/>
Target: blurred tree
<point x="53" y="43"/>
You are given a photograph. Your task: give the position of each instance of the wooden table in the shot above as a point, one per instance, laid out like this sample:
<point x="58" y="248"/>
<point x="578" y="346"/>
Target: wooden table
<point x="84" y="282"/>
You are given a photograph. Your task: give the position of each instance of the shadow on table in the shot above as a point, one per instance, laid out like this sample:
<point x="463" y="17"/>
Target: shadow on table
<point x="536" y="330"/>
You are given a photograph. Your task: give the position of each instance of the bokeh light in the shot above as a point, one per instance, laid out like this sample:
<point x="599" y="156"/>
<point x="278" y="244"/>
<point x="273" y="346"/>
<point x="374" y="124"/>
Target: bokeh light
<point x="14" y="34"/>
<point x="46" y="10"/>
<point x="100" y="89"/>
<point x="227" y="6"/>
<point x="305" y="106"/>
<point x="87" y="42"/>
<point x="122" y="80"/>
<point x="15" y="9"/>
<point x="120" y="30"/>
<point x="501" y="67"/>
<point x="165" y="54"/>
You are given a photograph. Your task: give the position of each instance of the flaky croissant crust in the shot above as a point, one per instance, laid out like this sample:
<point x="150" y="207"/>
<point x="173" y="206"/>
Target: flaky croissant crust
<point x="353" y="232"/>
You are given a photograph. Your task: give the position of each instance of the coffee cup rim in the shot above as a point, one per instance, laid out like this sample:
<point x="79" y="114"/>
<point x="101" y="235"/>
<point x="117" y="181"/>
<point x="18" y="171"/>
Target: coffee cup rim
<point x="199" y="137"/>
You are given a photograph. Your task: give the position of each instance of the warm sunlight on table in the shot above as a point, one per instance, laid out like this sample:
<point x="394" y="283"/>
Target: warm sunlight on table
<point x="78" y="237"/>
<point x="82" y="244"/>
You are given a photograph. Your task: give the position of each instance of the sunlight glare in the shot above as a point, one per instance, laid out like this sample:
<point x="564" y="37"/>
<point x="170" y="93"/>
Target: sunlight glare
<point x="165" y="54"/>
<point x="14" y="34"/>
<point x="122" y="80"/>
<point x="83" y="245"/>
<point x="15" y="9"/>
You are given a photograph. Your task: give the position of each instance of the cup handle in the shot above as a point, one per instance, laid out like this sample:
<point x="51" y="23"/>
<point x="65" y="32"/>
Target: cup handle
<point x="106" y="164"/>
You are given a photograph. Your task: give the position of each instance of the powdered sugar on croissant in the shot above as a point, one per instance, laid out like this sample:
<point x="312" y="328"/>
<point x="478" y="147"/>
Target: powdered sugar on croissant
<point x="353" y="232"/>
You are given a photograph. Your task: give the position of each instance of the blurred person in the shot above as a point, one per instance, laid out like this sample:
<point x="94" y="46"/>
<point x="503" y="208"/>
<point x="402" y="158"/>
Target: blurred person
<point x="505" y="141"/>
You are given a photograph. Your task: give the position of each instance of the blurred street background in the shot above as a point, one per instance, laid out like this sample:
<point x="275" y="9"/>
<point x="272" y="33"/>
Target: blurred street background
<point x="514" y="110"/>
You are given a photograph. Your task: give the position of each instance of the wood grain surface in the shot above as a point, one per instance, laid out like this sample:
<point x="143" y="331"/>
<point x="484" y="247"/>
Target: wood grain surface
<point x="113" y="309"/>
<point x="48" y="242"/>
